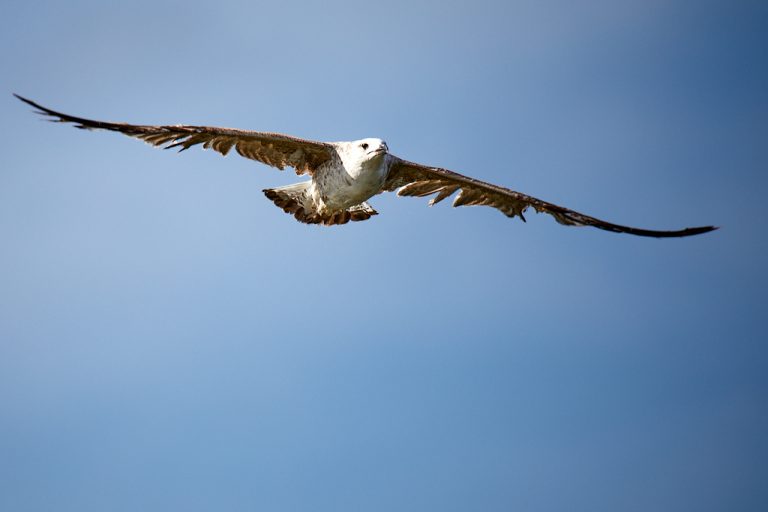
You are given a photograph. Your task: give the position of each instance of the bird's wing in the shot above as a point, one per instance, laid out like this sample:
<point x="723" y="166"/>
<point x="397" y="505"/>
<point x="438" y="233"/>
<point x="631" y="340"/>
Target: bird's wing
<point x="418" y="180"/>
<point x="273" y="149"/>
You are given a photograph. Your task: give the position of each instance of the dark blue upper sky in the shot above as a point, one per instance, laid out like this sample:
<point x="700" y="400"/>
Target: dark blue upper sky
<point x="169" y="340"/>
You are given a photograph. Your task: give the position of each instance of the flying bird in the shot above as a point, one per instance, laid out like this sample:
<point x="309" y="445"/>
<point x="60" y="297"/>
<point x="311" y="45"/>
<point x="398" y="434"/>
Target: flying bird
<point x="344" y="175"/>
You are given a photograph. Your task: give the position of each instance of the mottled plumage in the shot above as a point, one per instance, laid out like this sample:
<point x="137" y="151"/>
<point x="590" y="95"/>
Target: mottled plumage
<point x="344" y="175"/>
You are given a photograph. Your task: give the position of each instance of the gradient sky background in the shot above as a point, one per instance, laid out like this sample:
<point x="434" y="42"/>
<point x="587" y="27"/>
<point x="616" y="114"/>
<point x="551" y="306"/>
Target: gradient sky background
<point x="170" y="340"/>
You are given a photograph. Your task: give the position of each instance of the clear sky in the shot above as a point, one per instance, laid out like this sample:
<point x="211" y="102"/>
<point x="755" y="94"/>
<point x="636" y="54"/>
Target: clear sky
<point x="170" y="340"/>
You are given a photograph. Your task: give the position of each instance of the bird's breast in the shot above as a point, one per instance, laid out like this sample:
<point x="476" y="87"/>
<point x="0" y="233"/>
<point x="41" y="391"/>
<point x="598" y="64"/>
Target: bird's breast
<point x="341" y="187"/>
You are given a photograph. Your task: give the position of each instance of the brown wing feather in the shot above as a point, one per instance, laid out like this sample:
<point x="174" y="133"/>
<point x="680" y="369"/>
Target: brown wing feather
<point x="273" y="149"/>
<point x="418" y="180"/>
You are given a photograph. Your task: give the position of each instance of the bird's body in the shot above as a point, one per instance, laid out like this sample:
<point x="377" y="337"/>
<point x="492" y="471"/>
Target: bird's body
<point x="357" y="175"/>
<point x="344" y="175"/>
<point x="340" y="187"/>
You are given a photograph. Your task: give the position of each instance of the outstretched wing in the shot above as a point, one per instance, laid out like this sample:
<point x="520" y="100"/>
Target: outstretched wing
<point x="273" y="149"/>
<point x="418" y="180"/>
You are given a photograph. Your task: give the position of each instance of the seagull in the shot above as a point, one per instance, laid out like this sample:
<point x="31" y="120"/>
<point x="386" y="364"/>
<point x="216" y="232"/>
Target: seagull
<point x="344" y="175"/>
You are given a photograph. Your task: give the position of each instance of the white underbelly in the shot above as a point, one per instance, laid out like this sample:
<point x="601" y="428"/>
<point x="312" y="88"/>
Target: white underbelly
<point x="351" y="195"/>
<point x="338" y="190"/>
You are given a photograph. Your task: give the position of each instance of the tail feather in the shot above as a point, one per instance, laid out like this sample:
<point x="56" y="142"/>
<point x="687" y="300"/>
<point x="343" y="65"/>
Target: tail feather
<point x="294" y="200"/>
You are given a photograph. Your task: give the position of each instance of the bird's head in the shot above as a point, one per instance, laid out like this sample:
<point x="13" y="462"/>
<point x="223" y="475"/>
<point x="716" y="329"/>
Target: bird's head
<point x="367" y="149"/>
<point x="358" y="155"/>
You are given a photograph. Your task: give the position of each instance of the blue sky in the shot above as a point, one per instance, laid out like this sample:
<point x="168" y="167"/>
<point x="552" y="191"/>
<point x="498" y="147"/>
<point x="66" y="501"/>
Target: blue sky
<point x="169" y="340"/>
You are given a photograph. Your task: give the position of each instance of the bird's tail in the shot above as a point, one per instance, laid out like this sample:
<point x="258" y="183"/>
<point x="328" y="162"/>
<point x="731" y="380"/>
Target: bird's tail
<point x="296" y="200"/>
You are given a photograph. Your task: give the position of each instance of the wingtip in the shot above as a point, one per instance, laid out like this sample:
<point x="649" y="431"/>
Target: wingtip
<point x="40" y="109"/>
<point x="701" y="230"/>
<point x="22" y="98"/>
<point x="25" y="100"/>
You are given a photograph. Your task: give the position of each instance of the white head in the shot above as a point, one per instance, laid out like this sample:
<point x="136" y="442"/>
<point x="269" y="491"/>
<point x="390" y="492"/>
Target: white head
<point x="364" y="150"/>
<point x="372" y="146"/>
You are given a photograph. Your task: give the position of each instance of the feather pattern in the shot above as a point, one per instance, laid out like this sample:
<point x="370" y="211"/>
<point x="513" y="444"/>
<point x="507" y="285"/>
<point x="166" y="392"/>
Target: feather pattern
<point x="418" y="180"/>
<point x="273" y="149"/>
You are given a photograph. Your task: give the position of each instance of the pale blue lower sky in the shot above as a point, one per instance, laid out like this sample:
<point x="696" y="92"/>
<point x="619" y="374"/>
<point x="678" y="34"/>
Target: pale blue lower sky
<point x="169" y="340"/>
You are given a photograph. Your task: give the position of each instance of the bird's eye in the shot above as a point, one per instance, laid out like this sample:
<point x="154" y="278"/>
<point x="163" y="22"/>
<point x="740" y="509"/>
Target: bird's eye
<point x="364" y="145"/>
